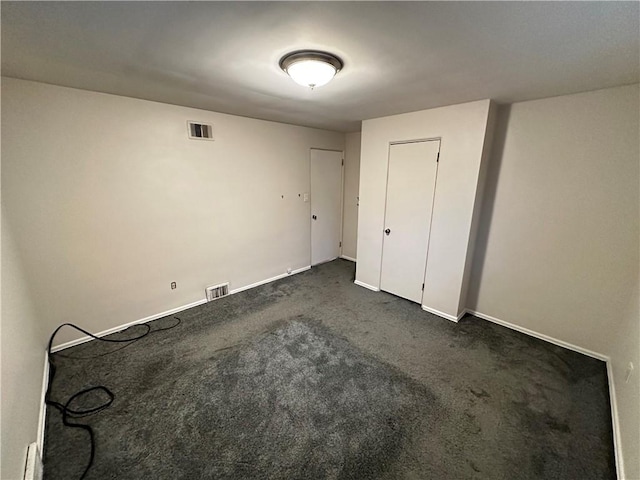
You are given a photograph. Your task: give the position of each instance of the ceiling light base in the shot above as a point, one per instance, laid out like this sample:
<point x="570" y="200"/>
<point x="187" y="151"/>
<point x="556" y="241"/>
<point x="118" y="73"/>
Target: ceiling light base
<point x="311" y="68"/>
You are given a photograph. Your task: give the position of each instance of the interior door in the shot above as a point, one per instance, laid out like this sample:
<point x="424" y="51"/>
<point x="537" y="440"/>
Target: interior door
<point x="410" y="190"/>
<point x="326" y="205"/>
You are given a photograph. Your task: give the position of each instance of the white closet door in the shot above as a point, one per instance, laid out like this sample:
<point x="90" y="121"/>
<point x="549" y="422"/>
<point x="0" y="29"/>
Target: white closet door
<point x="410" y="190"/>
<point x="326" y="205"/>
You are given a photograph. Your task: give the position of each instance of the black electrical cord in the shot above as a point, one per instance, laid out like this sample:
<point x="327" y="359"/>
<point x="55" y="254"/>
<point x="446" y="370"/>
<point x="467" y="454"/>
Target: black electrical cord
<point x="65" y="408"/>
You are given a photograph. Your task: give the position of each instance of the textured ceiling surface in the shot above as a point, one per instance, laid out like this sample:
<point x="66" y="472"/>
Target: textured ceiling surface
<point x="399" y="56"/>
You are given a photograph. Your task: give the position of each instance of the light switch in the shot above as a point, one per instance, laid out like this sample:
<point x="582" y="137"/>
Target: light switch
<point x="306" y="197"/>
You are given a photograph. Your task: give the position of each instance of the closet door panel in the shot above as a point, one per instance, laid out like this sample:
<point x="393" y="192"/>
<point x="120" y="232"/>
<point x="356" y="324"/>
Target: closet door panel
<point x="410" y="191"/>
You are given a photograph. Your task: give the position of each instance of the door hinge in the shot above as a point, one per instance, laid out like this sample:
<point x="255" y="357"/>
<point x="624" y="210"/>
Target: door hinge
<point x="340" y="244"/>
<point x="423" y="287"/>
<point x="343" y="162"/>
<point x="438" y="157"/>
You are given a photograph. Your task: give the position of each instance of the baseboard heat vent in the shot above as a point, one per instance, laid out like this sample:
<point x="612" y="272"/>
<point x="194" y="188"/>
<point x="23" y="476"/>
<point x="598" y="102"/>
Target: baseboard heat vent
<point x="217" y="291"/>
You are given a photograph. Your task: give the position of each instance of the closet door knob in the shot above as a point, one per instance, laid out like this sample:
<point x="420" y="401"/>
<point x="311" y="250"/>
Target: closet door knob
<point x="387" y="231"/>
<point x="314" y="217"/>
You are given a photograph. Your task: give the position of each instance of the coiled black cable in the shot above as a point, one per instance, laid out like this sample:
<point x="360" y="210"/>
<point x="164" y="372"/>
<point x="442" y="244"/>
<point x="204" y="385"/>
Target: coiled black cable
<point x="65" y="409"/>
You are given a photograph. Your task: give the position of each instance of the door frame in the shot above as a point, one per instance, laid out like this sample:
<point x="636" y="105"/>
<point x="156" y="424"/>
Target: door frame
<point x="341" y="201"/>
<point x="386" y="192"/>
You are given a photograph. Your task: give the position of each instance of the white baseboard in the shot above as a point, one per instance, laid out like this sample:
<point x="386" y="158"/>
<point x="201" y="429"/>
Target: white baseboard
<point x="109" y="331"/>
<point x="269" y="280"/>
<point x="541" y="336"/>
<point x="348" y="258"/>
<point x="366" y="285"/>
<point x="444" y="315"/>
<point x="43" y="407"/>
<point x="172" y="311"/>
<point x="617" y="441"/>
<point x="599" y="356"/>
<point x="33" y="469"/>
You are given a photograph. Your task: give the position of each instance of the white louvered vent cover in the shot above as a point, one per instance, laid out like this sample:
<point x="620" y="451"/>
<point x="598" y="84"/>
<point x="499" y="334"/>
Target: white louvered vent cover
<point x="217" y="291"/>
<point x="200" y="131"/>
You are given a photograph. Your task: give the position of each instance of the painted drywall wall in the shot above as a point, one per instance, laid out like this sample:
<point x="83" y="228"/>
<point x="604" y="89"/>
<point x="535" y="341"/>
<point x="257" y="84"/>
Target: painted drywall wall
<point x="462" y="129"/>
<point x="478" y="203"/>
<point x="558" y="247"/>
<point x="23" y="351"/>
<point x="351" y="185"/>
<point x="111" y="202"/>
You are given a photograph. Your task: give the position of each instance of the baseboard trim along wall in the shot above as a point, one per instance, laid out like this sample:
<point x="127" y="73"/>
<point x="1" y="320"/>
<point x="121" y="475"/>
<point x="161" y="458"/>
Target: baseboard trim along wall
<point x="510" y="325"/>
<point x="366" y="285"/>
<point x="109" y="331"/>
<point x="617" y="441"/>
<point x="34" y="467"/>
<point x="444" y="315"/>
<point x="348" y="258"/>
<point x="172" y="311"/>
<point x="541" y="336"/>
<point x="43" y="407"/>
<point x="269" y="280"/>
<point x="612" y="390"/>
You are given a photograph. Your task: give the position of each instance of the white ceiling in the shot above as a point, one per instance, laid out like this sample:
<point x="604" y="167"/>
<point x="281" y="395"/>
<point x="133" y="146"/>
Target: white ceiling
<point x="399" y="56"/>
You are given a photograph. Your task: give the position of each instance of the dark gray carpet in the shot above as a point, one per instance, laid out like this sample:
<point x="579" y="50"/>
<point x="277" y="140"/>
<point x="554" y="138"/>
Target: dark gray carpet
<point x="313" y="377"/>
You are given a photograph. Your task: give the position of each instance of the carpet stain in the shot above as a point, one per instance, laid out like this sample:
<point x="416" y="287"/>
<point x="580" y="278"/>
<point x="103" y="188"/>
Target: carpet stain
<point x="301" y="391"/>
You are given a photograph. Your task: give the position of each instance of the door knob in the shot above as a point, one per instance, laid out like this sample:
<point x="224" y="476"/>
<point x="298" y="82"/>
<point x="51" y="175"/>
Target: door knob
<point x="387" y="231"/>
<point x="314" y="217"/>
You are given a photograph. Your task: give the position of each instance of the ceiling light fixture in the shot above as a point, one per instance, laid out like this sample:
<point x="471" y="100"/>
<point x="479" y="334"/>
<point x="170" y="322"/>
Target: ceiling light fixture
<point x="311" y="68"/>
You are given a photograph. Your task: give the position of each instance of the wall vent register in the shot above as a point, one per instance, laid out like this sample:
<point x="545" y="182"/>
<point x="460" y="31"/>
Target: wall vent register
<point x="200" y="131"/>
<point x="217" y="291"/>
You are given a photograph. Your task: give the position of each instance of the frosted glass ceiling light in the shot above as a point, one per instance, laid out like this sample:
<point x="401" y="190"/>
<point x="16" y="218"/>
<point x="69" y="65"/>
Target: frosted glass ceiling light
<point x="311" y="68"/>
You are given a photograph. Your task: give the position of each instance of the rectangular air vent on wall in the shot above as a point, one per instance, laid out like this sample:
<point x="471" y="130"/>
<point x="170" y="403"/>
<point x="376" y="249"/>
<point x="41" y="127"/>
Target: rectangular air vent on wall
<point x="217" y="291"/>
<point x="200" y="131"/>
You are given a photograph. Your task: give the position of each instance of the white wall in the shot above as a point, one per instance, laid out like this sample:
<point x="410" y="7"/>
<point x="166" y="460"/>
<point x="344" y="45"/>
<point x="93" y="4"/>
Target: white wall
<point x="351" y="185"/>
<point x="462" y="129"/>
<point x="559" y="241"/>
<point x="110" y="201"/>
<point x="478" y="204"/>
<point x="23" y="345"/>
<point x="558" y="247"/>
